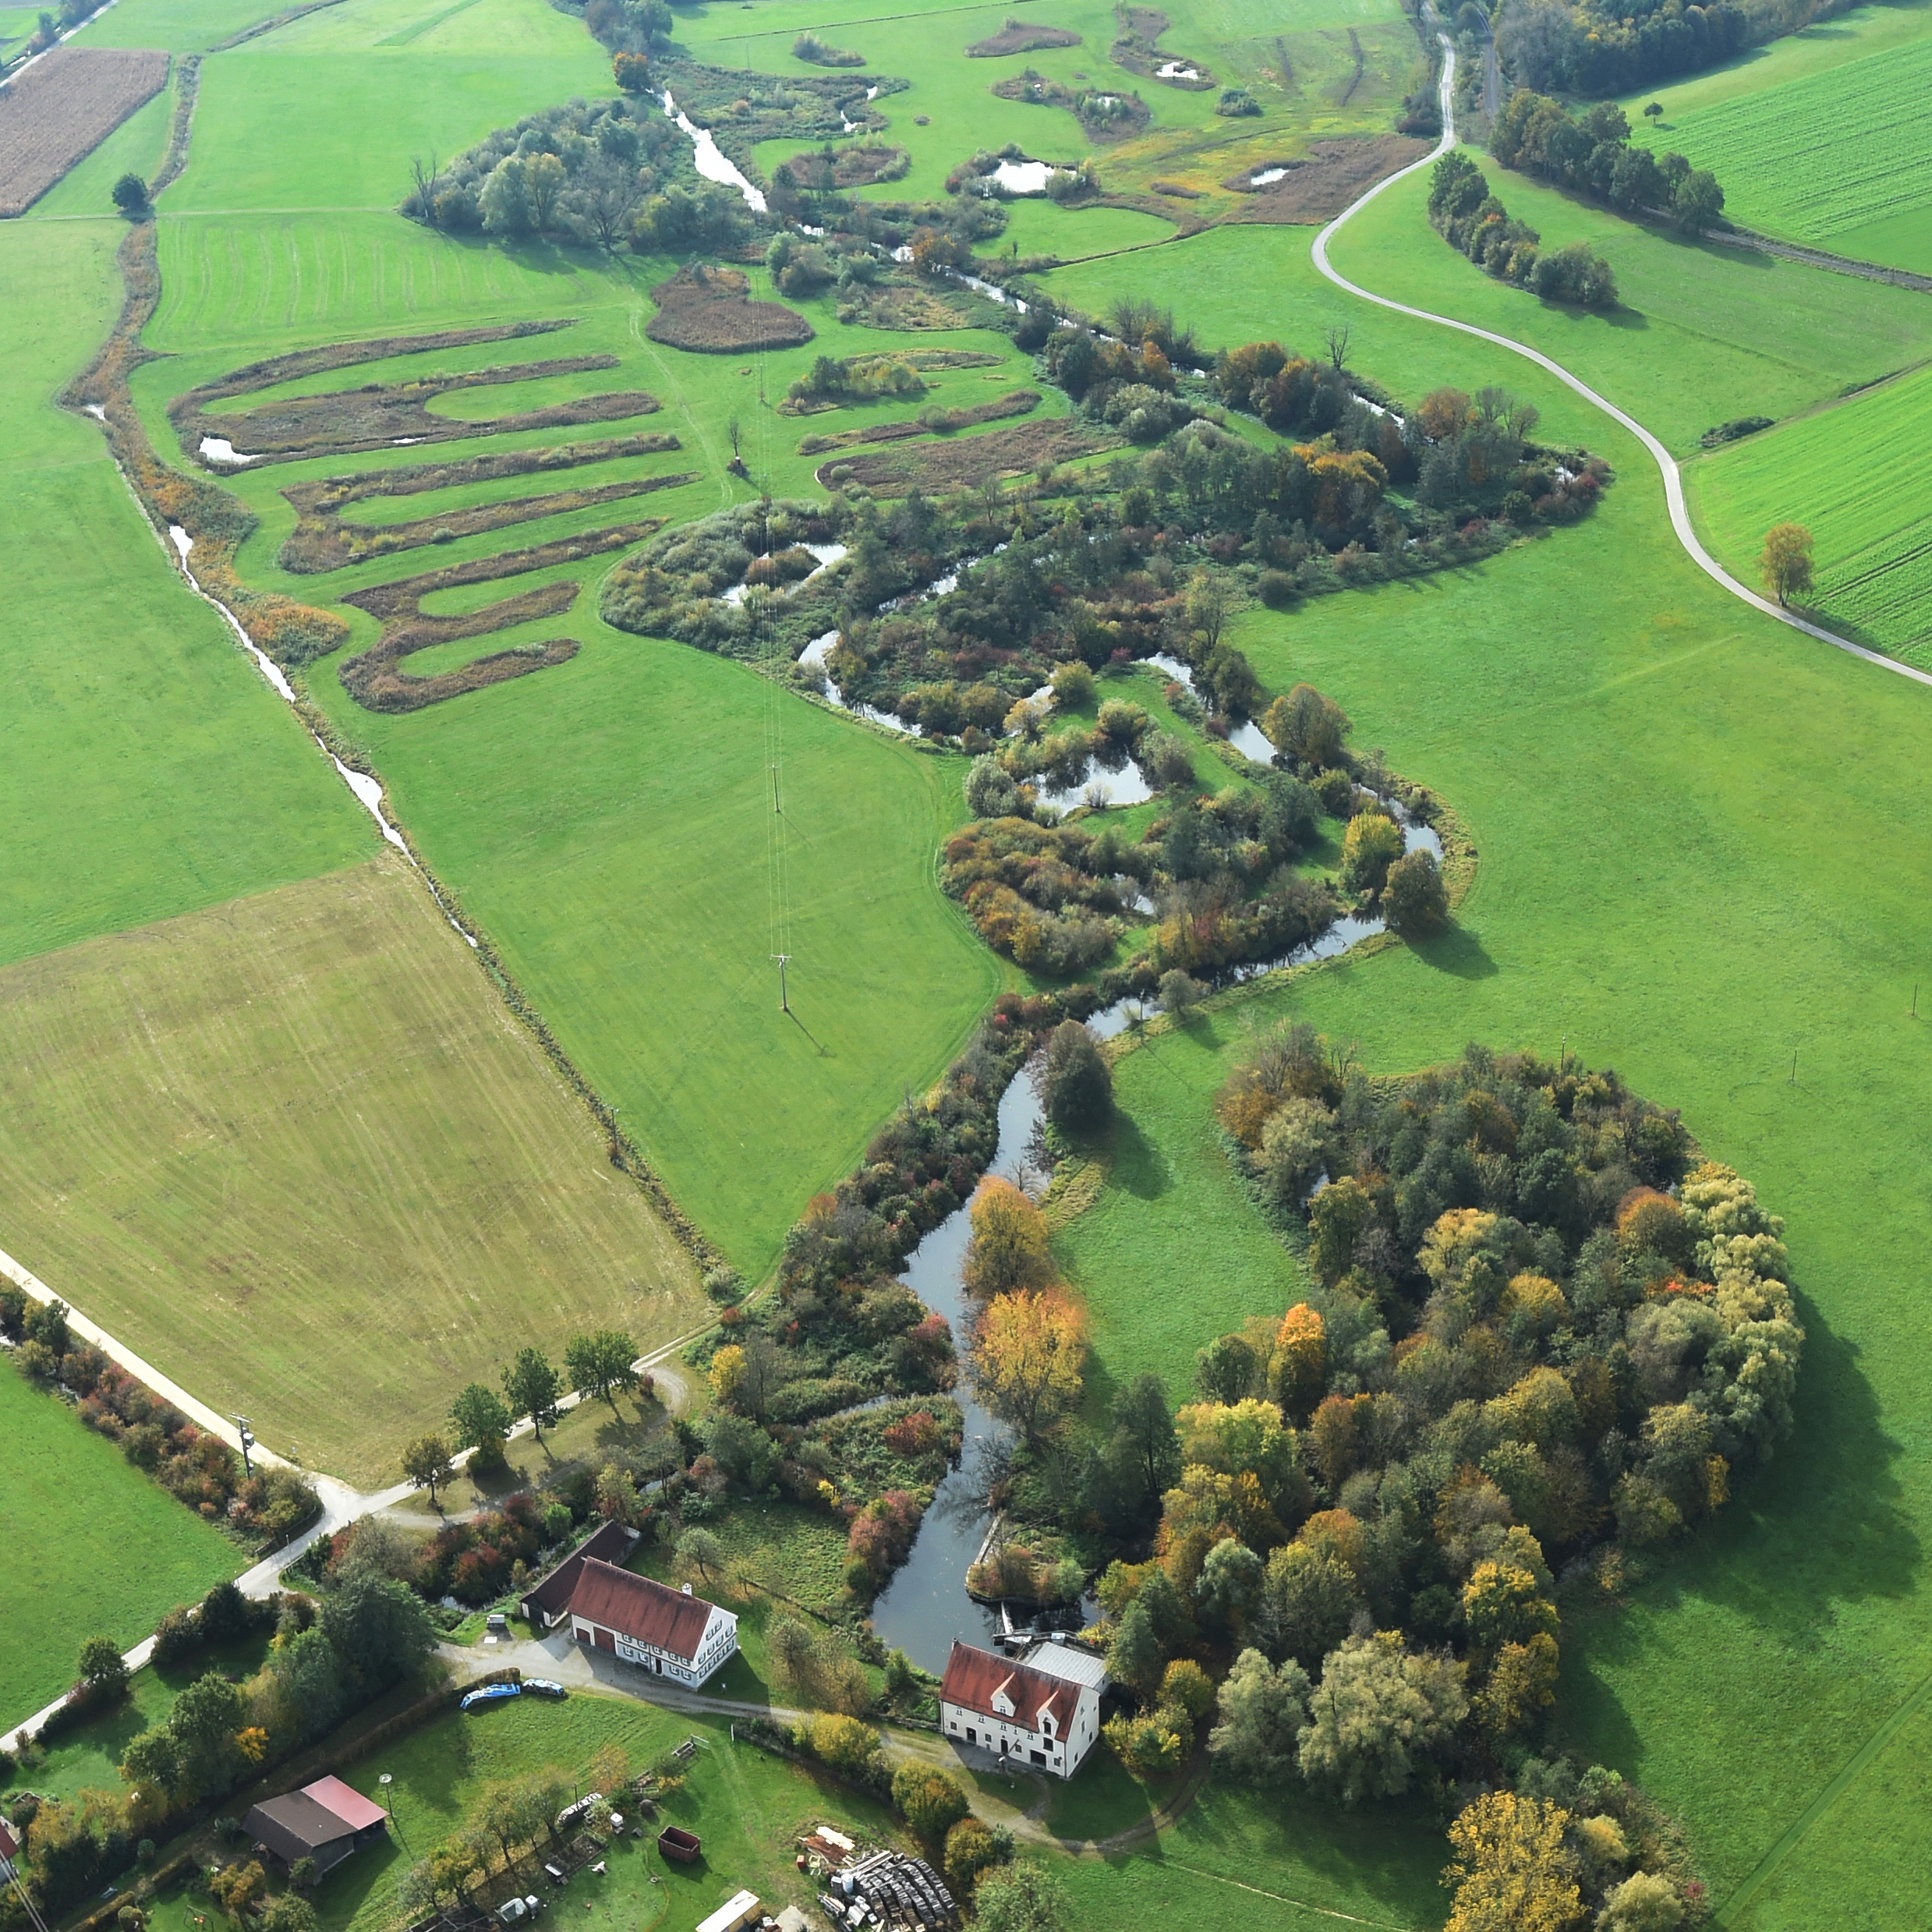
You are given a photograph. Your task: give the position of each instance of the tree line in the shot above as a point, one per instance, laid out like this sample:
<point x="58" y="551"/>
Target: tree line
<point x="1468" y="217"/>
<point x="597" y="1366"/>
<point x="1593" y="154"/>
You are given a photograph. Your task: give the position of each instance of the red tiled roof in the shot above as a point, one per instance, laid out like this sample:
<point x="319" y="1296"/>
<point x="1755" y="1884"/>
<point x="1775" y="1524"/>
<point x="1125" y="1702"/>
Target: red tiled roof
<point x="973" y="1675"/>
<point x="646" y="1612"/>
<point x="610" y="1543"/>
<point x="350" y="1805"/>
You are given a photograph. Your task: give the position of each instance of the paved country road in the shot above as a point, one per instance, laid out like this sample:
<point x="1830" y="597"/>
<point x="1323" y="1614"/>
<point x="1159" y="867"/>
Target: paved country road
<point x="1666" y="463"/>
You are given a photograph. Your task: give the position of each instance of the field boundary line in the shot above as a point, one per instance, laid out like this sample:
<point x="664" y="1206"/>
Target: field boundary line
<point x="1798" y="1828"/>
<point x="1667" y="464"/>
<point x="1301" y="1905"/>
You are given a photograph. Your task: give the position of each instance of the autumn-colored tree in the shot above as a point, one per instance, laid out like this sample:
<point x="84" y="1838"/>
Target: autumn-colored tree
<point x="1523" y="1682"/>
<point x="1372" y="844"/>
<point x="1008" y="1250"/>
<point x="425" y="1463"/>
<point x="1026" y="1358"/>
<point x="1441" y="413"/>
<point x="1785" y="565"/>
<point x="1512" y="1872"/>
<point x="1337" y="1438"/>
<point x="727" y="1368"/>
<point x="1301" y="1359"/>
<point x="1186" y="1686"/>
<point x="1503" y="1605"/>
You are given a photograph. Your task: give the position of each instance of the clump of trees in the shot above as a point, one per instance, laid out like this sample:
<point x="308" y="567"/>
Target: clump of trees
<point x="326" y="1662"/>
<point x="1468" y="217"/>
<point x="1593" y="154"/>
<point x="1596" y="47"/>
<point x="603" y="174"/>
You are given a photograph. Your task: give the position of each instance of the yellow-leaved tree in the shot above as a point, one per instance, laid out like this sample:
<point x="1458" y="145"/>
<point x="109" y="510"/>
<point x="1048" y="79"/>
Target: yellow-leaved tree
<point x="1009" y="1249"/>
<point x="1028" y="1354"/>
<point x="1512" y="1872"/>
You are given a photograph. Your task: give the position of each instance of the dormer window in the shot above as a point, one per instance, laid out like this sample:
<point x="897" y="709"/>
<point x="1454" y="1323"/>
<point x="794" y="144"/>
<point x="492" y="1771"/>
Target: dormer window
<point x="1046" y="1723"/>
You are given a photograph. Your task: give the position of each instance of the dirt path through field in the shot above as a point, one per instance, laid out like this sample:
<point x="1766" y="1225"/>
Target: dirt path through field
<point x="1666" y="463"/>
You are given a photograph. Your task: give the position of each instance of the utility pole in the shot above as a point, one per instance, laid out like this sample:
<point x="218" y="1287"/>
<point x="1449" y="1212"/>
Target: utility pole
<point x="9" y="1870"/>
<point x="784" y="1001"/>
<point x="248" y="1442"/>
<point x="774" y="791"/>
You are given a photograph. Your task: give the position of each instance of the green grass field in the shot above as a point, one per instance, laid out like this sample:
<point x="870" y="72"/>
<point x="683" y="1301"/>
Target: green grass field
<point x="1815" y="138"/>
<point x="1688" y="349"/>
<point x="748" y="1807"/>
<point x="1700" y="851"/>
<point x="1857" y="474"/>
<point x="93" y="1547"/>
<point x="293" y="1151"/>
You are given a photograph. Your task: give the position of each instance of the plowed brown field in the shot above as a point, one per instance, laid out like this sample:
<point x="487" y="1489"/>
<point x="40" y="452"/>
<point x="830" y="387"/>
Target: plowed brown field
<point x="63" y="107"/>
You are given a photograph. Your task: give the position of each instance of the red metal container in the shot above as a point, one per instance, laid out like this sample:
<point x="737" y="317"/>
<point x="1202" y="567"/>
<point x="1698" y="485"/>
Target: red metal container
<point x="675" y="1842"/>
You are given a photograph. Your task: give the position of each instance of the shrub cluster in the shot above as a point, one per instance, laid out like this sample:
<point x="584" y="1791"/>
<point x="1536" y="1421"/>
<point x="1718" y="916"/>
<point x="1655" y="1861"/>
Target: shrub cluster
<point x="198" y="1468"/>
<point x="1468" y="217"/>
<point x="1593" y="154"/>
<point x="1106" y="116"/>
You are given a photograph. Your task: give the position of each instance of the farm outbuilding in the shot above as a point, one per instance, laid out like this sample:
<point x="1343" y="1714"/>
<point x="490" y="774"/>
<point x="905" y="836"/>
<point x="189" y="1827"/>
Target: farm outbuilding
<point x="547" y="1600"/>
<point x="325" y="1821"/>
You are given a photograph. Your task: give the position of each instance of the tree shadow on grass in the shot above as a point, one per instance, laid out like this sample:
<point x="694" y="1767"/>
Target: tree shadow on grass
<point x="1822" y="1526"/>
<point x="1139" y="1166"/>
<point x="1457" y="950"/>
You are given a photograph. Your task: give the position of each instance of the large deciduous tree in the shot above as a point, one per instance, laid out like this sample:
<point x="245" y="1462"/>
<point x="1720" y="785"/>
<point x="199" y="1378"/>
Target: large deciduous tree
<point x="1027" y="1357"/>
<point x="1785" y="565"/>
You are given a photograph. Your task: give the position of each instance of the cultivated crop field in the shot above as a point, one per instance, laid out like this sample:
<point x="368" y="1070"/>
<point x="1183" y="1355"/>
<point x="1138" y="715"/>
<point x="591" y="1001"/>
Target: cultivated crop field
<point x="292" y="1146"/>
<point x="1823" y="151"/>
<point x="1860" y="469"/>
<point x="62" y="107"/>
<point x="93" y="1547"/>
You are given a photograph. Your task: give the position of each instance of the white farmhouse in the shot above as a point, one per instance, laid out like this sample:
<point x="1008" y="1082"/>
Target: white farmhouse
<point x="1045" y="1711"/>
<point x="667" y="1632"/>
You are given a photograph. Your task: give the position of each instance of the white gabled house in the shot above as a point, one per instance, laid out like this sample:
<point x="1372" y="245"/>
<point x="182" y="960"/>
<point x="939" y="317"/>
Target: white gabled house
<point x="667" y="1632"/>
<point x="1044" y="1711"/>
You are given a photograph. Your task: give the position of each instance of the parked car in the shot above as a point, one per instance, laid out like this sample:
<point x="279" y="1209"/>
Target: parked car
<point x="544" y="1687"/>
<point x="486" y="1694"/>
<point x="572" y="1816"/>
<point x="515" y="1910"/>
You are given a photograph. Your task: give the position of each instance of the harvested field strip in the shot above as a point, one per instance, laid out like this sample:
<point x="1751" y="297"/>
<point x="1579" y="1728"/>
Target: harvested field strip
<point x="1014" y="402"/>
<point x="381" y="348"/>
<point x="710" y="312"/>
<point x="62" y="108"/>
<point x="323" y="541"/>
<point x="1335" y="171"/>
<point x="954" y="465"/>
<point x="290" y="1147"/>
<point x="348" y="422"/>
<point x="372" y="677"/>
<point x="1018" y="37"/>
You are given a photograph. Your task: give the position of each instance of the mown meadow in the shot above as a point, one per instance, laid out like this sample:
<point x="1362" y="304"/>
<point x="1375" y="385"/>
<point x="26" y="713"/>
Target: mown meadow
<point x="73" y="1516"/>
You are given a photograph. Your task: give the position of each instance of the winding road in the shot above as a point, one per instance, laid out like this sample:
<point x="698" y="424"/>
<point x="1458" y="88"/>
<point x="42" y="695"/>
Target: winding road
<point x="1666" y="463"/>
